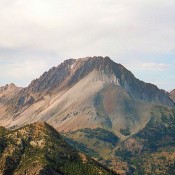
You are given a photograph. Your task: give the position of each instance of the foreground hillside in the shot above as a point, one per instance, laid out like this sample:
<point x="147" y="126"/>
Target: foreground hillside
<point x="38" y="149"/>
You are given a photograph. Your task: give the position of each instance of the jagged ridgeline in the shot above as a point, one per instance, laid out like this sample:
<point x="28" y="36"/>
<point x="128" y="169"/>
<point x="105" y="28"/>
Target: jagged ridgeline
<point x="38" y="149"/>
<point x="95" y="91"/>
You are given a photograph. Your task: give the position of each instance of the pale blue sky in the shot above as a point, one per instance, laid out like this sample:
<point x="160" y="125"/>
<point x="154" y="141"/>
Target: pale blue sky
<point x="38" y="34"/>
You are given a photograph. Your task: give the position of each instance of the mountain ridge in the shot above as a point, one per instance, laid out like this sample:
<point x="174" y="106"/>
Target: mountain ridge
<point x="54" y="96"/>
<point x="56" y="77"/>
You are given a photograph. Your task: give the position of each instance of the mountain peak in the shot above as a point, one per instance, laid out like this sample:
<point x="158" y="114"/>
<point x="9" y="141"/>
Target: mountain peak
<point x="69" y="61"/>
<point x="71" y="71"/>
<point x="68" y="73"/>
<point x="95" y="58"/>
<point x="8" y="89"/>
<point x="9" y="86"/>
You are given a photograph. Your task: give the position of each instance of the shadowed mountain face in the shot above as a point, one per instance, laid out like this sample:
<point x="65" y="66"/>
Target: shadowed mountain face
<point x="95" y="91"/>
<point x="38" y="149"/>
<point x="172" y="95"/>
